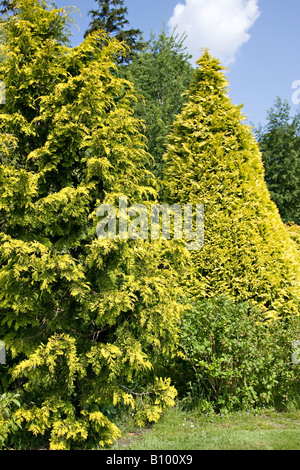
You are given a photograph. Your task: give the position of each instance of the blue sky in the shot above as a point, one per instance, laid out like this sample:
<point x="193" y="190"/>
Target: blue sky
<point x="257" y="39"/>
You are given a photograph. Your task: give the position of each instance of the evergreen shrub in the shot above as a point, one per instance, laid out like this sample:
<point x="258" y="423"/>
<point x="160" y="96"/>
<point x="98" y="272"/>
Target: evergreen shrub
<point x="231" y="359"/>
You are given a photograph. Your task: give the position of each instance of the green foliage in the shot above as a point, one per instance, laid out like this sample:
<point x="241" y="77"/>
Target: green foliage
<point x="9" y="423"/>
<point x="111" y="18"/>
<point x="213" y="159"/>
<point x="279" y="142"/>
<point x="233" y="360"/>
<point x="7" y="5"/>
<point x="294" y="232"/>
<point x="89" y="324"/>
<point x="161" y="73"/>
<point x="82" y="318"/>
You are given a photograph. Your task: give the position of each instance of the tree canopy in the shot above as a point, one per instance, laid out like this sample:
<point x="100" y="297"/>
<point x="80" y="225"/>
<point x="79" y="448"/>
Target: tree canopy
<point x="7" y="5"/>
<point x="111" y="17"/>
<point x="161" y="73"/>
<point x="279" y="141"/>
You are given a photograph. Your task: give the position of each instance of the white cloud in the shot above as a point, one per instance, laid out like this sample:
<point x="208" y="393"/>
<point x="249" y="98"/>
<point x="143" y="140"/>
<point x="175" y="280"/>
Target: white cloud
<point x="220" y="25"/>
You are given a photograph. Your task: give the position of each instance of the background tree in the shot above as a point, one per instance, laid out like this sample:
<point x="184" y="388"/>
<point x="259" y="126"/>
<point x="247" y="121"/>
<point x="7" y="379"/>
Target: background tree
<point x="279" y="142"/>
<point x="111" y="17"/>
<point x="161" y="73"/>
<point x="213" y="159"/>
<point x="84" y="319"/>
<point x="7" y="5"/>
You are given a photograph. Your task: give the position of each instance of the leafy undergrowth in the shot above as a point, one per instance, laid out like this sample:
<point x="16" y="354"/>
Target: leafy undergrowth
<point x="180" y="430"/>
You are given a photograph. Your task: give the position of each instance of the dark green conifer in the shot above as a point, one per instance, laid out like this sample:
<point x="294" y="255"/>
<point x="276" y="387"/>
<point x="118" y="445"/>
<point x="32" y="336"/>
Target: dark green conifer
<point x="111" y="17"/>
<point x="279" y="143"/>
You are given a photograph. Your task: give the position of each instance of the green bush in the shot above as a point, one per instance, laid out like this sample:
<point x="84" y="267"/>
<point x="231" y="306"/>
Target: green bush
<point x="8" y="420"/>
<point x="230" y="359"/>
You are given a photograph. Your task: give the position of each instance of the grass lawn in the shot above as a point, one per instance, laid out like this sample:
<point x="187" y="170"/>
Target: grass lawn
<point x="180" y="430"/>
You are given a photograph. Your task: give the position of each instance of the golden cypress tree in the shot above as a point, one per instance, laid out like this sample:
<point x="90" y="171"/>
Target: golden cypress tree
<point x="212" y="158"/>
<point x="84" y="319"/>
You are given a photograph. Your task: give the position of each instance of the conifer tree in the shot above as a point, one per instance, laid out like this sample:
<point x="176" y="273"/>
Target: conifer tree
<point x="213" y="159"/>
<point x="279" y="143"/>
<point x="83" y="319"/>
<point x="111" y="17"/>
<point x="161" y="73"/>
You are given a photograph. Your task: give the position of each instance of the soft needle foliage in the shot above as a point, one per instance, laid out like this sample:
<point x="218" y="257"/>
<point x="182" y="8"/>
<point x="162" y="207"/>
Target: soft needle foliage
<point x="213" y="159"/>
<point x="84" y="319"/>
